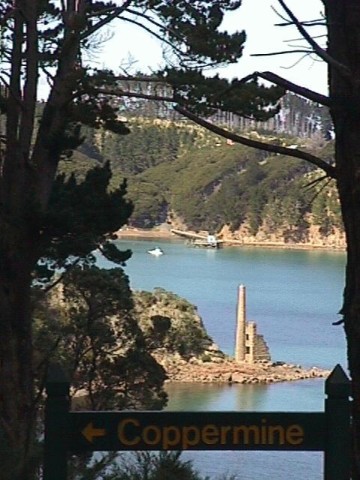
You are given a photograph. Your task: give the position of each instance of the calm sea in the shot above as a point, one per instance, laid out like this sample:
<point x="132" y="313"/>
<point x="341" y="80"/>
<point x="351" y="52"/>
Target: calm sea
<point x="294" y="297"/>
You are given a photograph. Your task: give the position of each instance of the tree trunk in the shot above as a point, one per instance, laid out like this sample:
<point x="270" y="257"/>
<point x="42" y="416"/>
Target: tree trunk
<point x="16" y="375"/>
<point x="343" y="20"/>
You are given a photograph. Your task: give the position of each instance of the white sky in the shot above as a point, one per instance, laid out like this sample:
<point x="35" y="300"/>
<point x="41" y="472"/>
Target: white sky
<point x="258" y="19"/>
<point x="255" y="17"/>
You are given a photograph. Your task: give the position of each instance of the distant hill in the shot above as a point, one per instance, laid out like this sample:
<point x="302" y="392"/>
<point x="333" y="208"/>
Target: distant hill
<point x="190" y="178"/>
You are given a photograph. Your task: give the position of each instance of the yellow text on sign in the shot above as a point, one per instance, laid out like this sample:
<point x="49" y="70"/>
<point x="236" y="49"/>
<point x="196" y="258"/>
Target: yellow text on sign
<point x="131" y="433"/>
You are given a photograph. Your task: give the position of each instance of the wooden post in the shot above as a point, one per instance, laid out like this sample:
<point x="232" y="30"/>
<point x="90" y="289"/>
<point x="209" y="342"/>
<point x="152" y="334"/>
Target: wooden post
<point x="56" y="425"/>
<point x="337" y="454"/>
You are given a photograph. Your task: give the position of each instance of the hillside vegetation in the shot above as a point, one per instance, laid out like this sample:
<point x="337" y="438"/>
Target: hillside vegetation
<point x="185" y="176"/>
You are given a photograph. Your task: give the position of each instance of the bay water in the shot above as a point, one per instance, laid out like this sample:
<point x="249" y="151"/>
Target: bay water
<point x="293" y="295"/>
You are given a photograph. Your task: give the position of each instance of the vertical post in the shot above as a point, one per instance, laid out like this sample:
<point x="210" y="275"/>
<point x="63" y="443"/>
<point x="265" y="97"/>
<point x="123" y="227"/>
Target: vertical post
<point x="337" y="454"/>
<point x="56" y="425"/>
<point x="240" y="340"/>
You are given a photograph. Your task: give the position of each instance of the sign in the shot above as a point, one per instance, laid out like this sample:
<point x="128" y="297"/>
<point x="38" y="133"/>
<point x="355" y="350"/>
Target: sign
<point x="76" y="432"/>
<point x="112" y="431"/>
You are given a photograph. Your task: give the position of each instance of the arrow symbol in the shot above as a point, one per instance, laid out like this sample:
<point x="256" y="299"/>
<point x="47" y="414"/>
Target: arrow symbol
<point x="90" y="432"/>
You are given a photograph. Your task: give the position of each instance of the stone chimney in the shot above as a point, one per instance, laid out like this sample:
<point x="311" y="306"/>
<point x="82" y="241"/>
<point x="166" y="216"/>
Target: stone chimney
<point x="240" y="340"/>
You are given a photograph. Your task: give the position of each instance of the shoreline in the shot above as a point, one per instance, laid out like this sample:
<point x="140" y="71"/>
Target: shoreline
<point x="227" y="371"/>
<point x="143" y="234"/>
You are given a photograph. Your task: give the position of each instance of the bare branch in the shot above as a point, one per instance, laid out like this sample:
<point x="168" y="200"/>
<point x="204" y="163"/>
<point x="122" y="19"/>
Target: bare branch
<point x="298" y="61"/>
<point x="320" y="189"/>
<point x="343" y="69"/>
<point x="309" y="23"/>
<point x="282" y="52"/>
<point x="314" y="182"/>
<point x="268" y="147"/>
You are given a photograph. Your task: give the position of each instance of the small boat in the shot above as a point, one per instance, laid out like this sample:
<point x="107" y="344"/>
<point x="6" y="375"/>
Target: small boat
<point x="156" y="251"/>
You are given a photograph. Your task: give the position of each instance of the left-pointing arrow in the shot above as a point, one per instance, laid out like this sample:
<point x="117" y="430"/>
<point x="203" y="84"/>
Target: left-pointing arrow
<point x="90" y="432"/>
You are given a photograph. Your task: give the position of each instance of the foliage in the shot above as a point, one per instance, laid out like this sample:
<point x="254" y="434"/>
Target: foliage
<point x="50" y="223"/>
<point x="149" y="466"/>
<point x="88" y="326"/>
<point x="148" y="144"/>
<point x="170" y="323"/>
<point x="157" y="466"/>
<point x="219" y="184"/>
<point x="80" y="216"/>
<point x="211" y="183"/>
<point x="139" y="466"/>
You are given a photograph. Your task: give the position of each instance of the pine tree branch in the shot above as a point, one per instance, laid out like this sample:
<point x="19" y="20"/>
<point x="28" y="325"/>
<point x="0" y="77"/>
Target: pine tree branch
<point x="123" y="93"/>
<point x="156" y="24"/>
<point x="154" y="34"/>
<point x="268" y="147"/>
<point x="10" y="13"/>
<point x="292" y="87"/>
<point x="61" y="276"/>
<point x="114" y="13"/>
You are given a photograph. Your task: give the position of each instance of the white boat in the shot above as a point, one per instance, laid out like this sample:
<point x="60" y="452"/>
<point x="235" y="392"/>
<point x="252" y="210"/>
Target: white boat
<point x="156" y="252"/>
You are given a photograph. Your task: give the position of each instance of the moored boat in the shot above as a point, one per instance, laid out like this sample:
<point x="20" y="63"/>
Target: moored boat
<point x="156" y="251"/>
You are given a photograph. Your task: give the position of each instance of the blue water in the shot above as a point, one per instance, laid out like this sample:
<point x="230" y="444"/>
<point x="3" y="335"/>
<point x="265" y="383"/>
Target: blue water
<point x="294" y="297"/>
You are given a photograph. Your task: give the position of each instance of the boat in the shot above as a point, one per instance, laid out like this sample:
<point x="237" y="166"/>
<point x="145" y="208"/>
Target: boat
<point x="156" y="252"/>
<point x="209" y="242"/>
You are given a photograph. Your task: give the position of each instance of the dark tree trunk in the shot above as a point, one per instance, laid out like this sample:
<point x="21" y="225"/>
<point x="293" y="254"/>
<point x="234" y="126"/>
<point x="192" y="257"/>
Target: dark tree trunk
<point x="16" y="373"/>
<point x="343" y="20"/>
<point x="26" y="179"/>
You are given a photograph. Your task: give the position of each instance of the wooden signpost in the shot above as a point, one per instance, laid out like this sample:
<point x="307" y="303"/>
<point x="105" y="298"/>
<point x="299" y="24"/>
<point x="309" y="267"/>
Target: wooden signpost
<point x="76" y="432"/>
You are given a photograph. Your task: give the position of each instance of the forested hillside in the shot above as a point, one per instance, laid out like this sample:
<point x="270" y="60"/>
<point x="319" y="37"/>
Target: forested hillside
<point x="185" y="176"/>
<point x="297" y="116"/>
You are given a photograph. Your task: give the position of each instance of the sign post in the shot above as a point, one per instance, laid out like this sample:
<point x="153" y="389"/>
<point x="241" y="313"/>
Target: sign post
<point x="337" y="457"/>
<point x="56" y="425"/>
<point x="78" y="432"/>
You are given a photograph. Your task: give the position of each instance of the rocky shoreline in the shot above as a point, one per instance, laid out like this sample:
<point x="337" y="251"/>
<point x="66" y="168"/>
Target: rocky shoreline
<point x="165" y="233"/>
<point x="230" y="372"/>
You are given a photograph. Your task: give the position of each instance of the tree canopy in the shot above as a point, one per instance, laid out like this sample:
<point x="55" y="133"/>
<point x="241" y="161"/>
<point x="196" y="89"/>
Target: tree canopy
<point x="52" y="38"/>
<point x="51" y="224"/>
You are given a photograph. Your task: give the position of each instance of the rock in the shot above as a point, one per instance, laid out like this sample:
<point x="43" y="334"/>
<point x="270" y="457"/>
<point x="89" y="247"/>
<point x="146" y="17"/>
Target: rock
<point x="237" y="378"/>
<point x="228" y="371"/>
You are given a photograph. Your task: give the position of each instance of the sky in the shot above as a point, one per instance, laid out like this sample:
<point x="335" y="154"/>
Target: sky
<point x="130" y="44"/>
<point x="258" y="19"/>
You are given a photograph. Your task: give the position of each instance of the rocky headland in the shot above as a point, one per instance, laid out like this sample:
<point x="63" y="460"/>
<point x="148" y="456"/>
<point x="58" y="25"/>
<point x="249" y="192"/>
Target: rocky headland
<point x="180" y="343"/>
<point x="226" y="371"/>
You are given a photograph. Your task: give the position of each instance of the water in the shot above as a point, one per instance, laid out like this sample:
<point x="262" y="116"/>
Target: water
<point x="294" y="297"/>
